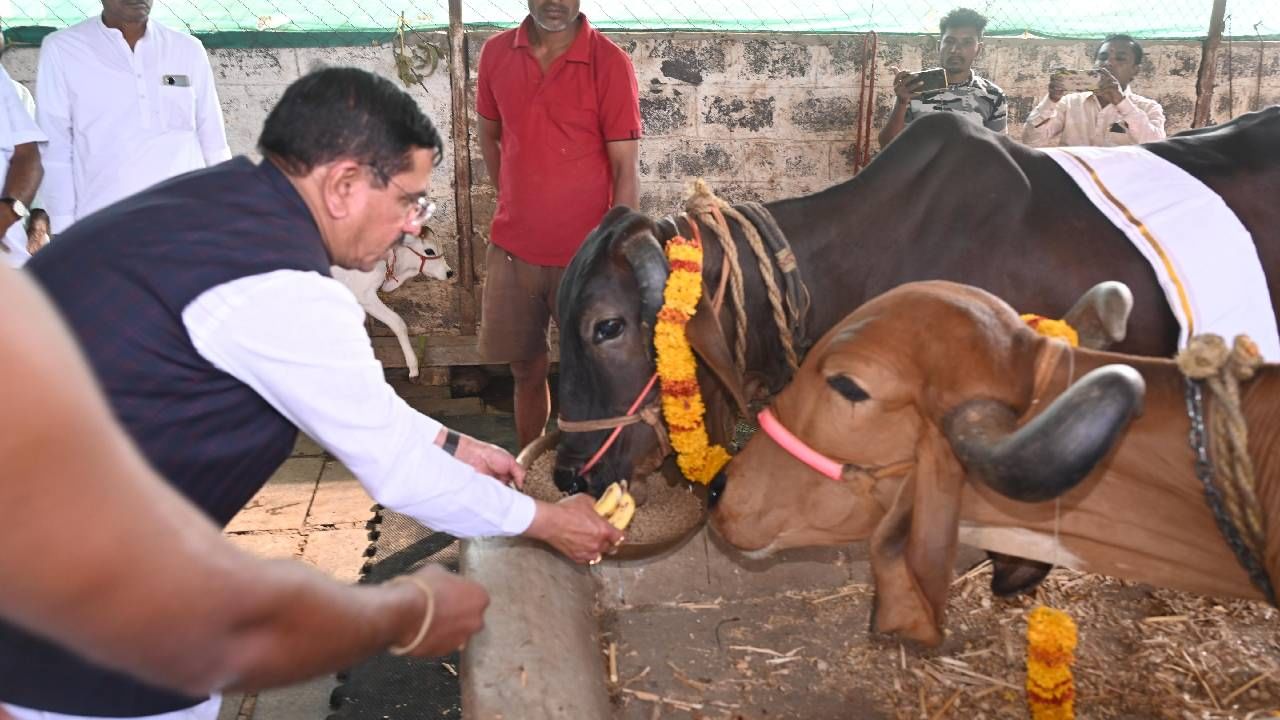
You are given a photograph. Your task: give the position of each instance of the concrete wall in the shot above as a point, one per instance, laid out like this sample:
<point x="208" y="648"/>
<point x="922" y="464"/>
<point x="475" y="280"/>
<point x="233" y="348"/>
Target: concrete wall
<point x="760" y="116"/>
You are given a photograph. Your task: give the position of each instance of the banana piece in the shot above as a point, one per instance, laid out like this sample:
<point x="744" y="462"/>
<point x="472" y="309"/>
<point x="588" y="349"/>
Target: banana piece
<point x="621" y="516"/>
<point x="608" y="502"/>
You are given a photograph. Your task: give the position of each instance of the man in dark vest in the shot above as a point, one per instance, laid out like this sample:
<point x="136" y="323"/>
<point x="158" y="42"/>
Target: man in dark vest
<point x="206" y="310"/>
<point x="257" y="622"/>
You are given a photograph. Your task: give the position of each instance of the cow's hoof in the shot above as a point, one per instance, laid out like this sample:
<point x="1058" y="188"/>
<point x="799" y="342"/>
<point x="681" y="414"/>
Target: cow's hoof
<point x="1014" y="575"/>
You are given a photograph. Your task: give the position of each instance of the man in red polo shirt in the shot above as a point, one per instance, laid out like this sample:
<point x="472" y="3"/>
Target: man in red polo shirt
<point x="559" y="130"/>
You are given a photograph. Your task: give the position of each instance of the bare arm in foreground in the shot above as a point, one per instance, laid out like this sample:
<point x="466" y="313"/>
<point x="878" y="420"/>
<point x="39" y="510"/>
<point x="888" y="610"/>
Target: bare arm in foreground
<point x="145" y="577"/>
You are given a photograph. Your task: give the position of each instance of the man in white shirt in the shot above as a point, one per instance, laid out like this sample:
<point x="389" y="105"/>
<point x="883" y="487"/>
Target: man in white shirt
<point x="1108" y="116"/>
<point x="28" y="100"/>
<point x="126" y="102"/>
<point x="20" y="170"/>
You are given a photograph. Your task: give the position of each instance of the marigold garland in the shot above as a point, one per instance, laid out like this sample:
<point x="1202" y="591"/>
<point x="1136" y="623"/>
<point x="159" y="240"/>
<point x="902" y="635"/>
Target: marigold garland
<point x="1052" y="328"/>
<point x="1051" y="634"/>
<point x="1051" y="644"/>
<point x="682" y="405"/>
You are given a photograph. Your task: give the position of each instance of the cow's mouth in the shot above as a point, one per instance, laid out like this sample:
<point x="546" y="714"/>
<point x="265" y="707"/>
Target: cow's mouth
<point x="569" y="481"/>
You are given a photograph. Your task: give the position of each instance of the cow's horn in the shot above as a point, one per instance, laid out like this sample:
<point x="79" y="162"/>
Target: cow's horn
<point x="1101" y="316"/>
<point x="1055" y="451"/>
<point x="649" y="264"/>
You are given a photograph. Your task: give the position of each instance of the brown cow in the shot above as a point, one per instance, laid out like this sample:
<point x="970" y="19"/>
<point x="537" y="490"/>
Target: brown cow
<point x="923" y="387"/>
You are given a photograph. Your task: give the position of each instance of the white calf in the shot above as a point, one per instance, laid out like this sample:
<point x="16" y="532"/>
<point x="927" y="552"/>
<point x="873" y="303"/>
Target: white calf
<point x="414" y="255"/>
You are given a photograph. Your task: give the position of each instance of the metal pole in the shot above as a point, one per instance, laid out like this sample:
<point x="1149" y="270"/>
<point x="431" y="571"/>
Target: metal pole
<point x="462" y="167"/>
<point x="1209" y="65"/>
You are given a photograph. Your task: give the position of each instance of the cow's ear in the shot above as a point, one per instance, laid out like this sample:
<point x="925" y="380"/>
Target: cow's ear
<point x="616" y="213"/>
<point x="708" y="341"/>
<point x="913" y="549"/>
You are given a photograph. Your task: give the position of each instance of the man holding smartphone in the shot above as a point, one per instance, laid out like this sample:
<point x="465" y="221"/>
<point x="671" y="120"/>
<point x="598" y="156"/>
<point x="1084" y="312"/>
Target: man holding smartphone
<point x="961" y="91"/>
<point x="1107" y="115"/>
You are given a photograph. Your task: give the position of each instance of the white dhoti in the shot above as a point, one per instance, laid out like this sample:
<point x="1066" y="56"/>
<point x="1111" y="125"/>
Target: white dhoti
<point x="1203" y="257"/>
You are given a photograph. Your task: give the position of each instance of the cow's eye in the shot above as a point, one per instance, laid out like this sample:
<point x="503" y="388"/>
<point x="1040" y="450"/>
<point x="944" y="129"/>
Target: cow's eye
<point x="429" y="252"/>
<point x="845" y="385"/>
<point x="608" y="329"/>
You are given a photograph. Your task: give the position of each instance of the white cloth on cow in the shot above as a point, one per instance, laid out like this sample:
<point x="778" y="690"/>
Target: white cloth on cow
<point x="298" y="339"/>
<point x="1204" y="257"/>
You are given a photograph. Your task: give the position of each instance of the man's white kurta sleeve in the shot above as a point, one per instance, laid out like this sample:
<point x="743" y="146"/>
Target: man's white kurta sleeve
<point x="53" y="113"/>
<point x="298" y="339"/>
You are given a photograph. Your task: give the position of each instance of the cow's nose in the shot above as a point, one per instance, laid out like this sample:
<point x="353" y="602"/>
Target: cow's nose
<point x="717" y="489"/>
<point x="569" y="481"/>
<point x="448" y="275"/>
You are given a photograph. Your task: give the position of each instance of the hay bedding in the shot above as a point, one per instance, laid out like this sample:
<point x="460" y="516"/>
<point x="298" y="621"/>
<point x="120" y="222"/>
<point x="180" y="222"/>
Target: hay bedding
<point x="668" y="512"/>
<point x="1143" y="653"/>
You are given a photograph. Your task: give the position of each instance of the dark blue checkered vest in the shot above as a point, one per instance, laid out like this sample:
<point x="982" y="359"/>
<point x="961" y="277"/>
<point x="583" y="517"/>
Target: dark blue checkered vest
<point x="121" y="279"/>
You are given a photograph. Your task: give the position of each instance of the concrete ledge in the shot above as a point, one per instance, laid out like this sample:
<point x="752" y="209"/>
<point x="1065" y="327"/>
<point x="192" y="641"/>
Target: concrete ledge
<point x="539" y="656"/>
<point x="703" y="570"/>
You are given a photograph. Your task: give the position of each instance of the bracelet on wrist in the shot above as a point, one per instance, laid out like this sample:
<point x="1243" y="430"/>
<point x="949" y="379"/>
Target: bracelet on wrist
<point x="426" y="618"/>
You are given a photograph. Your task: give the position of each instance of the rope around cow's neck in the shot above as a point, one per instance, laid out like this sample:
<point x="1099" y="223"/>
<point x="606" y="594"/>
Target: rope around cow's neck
<point x="648" y="414"/>
<point x="1207" y="361"/>
<point x="713" y="210"/>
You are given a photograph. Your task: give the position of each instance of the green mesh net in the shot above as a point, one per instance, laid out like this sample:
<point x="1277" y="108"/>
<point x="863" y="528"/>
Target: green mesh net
<point x="221" y="21"/>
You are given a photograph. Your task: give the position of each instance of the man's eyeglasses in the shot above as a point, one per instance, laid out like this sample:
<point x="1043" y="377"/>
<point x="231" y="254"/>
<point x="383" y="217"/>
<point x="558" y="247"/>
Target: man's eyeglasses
<point x="420" y="206"/>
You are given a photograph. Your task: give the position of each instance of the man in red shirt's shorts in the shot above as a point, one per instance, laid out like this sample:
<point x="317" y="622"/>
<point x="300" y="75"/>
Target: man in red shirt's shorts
<point x="559" y="130"/>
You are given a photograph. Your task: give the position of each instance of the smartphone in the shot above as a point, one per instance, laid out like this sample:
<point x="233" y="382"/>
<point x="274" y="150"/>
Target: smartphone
<point x="1077" y="80"/>
<point x="934" y="79"/>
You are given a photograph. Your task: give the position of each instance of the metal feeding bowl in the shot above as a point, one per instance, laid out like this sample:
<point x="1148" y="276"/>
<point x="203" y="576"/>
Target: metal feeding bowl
<point x="671" y="510"/>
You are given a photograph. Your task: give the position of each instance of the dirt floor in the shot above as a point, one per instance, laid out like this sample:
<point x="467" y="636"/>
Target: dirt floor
<point x="1143" y="653"/>
<point x="700" y="634"/>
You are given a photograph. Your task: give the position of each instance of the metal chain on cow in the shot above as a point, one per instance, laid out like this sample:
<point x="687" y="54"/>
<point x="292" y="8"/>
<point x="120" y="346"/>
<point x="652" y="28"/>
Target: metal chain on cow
<point x="1207" y="362"/>
<point x="702" y="201"/>
<point x="1208" y="359"/>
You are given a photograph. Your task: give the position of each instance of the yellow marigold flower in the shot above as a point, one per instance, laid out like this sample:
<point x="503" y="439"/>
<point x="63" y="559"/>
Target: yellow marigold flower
<point x="1051" y="644"/>
<point x="1052" y="328"/>
<point x="697" y="458"/>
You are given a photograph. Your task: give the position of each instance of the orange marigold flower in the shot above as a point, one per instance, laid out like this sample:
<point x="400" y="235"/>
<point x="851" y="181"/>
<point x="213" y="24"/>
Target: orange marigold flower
<point x="682" y="405"/>
<point x="1051" y="644"/>
<point x="1052" y="328"/>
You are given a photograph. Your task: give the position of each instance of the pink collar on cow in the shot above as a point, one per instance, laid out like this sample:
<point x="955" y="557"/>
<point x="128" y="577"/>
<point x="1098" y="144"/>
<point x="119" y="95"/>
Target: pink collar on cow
<point x="797" y="447"/>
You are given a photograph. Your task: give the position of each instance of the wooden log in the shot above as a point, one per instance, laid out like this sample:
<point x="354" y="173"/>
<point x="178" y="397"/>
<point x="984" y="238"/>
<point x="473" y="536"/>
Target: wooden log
<point x="458" y="76"/>
<point x="539" y="655"/>
<point x="1208" y="66"/>
<point x="450" y="350"/>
